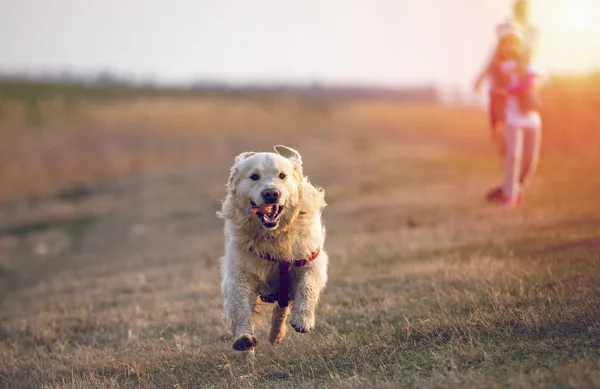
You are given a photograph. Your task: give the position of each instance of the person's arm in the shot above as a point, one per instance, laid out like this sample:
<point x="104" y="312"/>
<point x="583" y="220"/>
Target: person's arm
<point x="484" y="72"/>
<point x="498" y="91"/>
<point x="488" y="65"/>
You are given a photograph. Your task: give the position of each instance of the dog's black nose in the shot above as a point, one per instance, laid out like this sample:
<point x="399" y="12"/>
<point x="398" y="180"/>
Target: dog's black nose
<point x="271" y="195"/>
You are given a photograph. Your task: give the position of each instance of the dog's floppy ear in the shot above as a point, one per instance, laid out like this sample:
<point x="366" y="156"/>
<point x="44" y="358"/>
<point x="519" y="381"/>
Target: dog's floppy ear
<point x="289" y="153"/>
<point x="232" y="183"/>
<point x="243" y="156"/>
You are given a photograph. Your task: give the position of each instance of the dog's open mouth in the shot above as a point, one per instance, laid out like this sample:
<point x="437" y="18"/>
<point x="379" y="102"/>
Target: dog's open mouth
<point x="268" y="213"/>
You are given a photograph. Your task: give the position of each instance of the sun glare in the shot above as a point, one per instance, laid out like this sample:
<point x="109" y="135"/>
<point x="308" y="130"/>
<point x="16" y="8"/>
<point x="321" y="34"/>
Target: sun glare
<point x="569" y="35"/>
<point x="580" y="16"/>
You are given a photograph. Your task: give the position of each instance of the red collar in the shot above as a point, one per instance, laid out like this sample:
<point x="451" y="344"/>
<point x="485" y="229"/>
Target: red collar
<point x="284" y="275"/>
<point x="297" y="263"/>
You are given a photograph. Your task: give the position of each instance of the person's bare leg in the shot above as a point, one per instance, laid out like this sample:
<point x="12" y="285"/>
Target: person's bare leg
<point x="498" y="138"/>
<point x="512" y="161"/>
<point x="497" y="134"/>
<point x="532" y="140"/>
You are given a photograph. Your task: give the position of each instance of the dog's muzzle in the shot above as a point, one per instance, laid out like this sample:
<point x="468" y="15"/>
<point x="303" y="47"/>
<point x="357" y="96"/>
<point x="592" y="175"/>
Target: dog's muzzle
<point x="268" y="214"/>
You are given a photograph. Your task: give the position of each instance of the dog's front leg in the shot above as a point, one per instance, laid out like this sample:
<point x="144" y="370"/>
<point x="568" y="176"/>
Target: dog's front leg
<point x="240" y="301"/>
<point x="307" y="288"/>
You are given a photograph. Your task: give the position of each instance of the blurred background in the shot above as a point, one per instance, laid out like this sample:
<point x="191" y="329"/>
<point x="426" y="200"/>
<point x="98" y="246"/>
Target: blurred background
<point x="149" y="66"/>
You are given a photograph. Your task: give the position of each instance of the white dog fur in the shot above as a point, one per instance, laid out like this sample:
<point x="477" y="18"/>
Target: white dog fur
<point x="245" y="275"/>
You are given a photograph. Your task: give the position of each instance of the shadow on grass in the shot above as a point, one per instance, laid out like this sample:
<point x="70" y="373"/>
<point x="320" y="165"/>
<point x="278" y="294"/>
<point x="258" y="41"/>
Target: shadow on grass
<point x="29" y="272"/>
<point x="589" y="243"/>
<point x="74" y="226"/>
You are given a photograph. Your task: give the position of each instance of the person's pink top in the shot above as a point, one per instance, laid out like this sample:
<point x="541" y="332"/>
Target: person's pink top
<point x="524" y="85"/>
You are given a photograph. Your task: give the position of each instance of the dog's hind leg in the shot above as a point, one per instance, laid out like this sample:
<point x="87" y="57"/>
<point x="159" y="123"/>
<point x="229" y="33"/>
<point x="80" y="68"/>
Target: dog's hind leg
<point x="278" y="321"/>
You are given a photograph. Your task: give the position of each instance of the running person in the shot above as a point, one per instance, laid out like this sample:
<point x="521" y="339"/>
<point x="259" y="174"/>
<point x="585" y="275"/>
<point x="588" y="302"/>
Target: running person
<point x="522" y="123"/>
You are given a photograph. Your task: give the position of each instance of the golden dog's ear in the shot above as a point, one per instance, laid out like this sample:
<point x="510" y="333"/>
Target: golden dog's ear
<point x="233" y="178"/>
<point x="243" y="156"/>
<point x="290" y="154"/>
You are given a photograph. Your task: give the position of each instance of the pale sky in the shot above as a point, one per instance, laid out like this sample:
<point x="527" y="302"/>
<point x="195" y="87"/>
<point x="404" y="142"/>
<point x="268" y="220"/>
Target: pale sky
<point x="332" y="41"/>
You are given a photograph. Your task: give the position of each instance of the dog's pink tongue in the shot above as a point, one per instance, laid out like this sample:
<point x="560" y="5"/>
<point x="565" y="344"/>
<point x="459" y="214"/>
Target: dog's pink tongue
<point x="252" y="209"/>
<point x="264" y="209"/>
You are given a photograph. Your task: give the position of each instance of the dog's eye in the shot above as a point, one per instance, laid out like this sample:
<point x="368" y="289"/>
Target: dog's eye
<point x="281" y="175"/>
<point x="255" y="177"/>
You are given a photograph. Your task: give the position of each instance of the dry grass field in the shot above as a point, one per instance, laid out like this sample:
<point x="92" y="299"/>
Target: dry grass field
<point x="110" y="247"/>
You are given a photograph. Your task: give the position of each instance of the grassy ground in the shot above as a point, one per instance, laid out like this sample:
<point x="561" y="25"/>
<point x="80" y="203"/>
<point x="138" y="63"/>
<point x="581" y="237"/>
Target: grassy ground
<point x="116" y="284"/>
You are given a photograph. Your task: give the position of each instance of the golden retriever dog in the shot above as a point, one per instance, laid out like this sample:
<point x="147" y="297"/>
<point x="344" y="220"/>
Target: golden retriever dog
<point x="273" y="244"/>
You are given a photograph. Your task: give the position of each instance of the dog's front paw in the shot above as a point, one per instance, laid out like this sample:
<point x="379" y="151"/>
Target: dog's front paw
<point x="302" y="323"/>
<point x="245" y="342"/>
